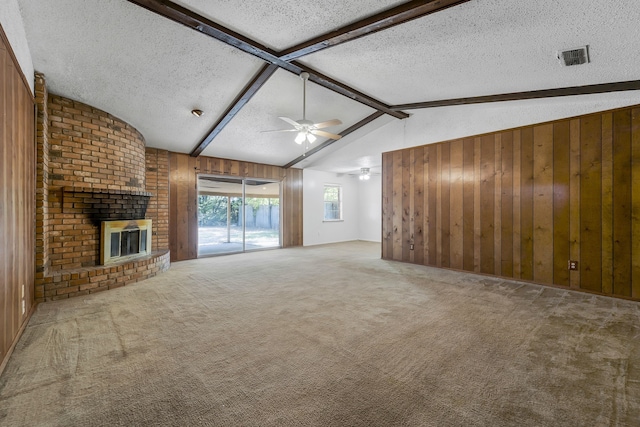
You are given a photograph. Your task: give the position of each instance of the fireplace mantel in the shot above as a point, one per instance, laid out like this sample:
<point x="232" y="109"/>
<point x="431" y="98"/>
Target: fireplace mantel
<point x="93" y="190"/>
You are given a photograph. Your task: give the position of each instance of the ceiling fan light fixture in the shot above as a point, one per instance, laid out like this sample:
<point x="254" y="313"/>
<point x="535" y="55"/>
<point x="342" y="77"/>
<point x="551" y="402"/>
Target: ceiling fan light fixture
<point x="365" y="174"/>
<point x="308" y="131"/>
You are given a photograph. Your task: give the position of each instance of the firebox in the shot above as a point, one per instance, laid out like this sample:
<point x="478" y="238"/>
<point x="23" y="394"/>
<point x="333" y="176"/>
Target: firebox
<point x="124" y="240"/>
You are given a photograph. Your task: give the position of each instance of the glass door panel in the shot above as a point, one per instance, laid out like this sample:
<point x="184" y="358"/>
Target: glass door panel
<point x="227" y="225"/>
<point x="262" y="214"/>
<point x="220" y="228"/>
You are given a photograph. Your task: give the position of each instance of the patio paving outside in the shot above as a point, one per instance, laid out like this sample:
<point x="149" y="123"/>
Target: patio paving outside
<point x="213" y="240"/>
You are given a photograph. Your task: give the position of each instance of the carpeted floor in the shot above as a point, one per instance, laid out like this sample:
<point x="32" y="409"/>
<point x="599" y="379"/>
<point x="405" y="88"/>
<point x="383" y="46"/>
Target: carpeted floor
<point x="326" y="336"/>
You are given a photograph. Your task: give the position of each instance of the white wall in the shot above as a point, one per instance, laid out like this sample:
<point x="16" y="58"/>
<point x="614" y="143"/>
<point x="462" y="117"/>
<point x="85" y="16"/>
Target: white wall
<point x="370" y="209"/>
<point x="13" y="27"/>
<point x="361" y="208"/>
<point x="316" y="231"/>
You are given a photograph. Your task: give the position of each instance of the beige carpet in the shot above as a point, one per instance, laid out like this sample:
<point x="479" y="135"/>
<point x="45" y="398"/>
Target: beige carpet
<point x="326" y="336"/>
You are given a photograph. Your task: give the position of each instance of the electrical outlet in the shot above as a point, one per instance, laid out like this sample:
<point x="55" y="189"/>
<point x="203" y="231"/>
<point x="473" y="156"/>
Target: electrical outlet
<point x="411" y="247"/>
<point x="573" y="265"/>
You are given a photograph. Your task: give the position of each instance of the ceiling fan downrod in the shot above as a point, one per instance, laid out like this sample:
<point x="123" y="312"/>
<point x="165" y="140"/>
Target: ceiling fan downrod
<point x="304" y="76"/>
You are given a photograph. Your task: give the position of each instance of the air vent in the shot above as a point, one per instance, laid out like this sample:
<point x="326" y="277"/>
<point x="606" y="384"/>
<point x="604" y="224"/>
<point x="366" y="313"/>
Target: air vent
<point x="576" y="56"/>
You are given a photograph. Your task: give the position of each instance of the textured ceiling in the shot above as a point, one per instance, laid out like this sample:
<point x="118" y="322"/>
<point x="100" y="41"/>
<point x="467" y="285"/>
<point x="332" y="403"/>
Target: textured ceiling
<point x="488" y="47"/>
<point x="151" y="72"/>
<point x="281" y="96"/>
<point x="280" y="24"/>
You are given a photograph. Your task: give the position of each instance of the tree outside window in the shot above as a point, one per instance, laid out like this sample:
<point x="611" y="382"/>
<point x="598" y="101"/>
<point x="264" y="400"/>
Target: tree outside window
<point x="332" y="202"/>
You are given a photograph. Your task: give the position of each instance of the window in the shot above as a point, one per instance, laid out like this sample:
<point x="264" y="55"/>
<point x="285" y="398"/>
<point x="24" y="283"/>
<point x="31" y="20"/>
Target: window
<point x="332" y="202"/>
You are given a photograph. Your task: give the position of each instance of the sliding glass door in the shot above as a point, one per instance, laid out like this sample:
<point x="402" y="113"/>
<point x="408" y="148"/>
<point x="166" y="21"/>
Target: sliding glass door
<point x="237" y="215"/>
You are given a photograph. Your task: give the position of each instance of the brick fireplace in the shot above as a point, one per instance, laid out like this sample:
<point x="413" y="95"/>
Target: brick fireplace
<point x="91" y="168"/>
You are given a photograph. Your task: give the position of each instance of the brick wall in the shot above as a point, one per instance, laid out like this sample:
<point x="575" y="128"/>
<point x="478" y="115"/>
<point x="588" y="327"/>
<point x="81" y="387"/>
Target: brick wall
<point x="157" y="176"/>
<point x="91" y="166"/>
<point x="90" y="148"/>
<point x="42" y="185"/>
<point x="82" y="281"/>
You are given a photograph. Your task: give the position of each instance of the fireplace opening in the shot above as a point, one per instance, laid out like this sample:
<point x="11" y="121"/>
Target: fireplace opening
<point x="125" y="243"/>
<point x="124" y="240"/>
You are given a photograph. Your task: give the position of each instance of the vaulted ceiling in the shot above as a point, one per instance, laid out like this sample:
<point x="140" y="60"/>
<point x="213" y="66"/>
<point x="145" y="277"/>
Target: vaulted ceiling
<point x="372" y="63"/>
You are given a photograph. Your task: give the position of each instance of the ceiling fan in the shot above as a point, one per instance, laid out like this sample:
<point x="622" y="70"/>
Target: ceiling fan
<point x="307" y="130"/>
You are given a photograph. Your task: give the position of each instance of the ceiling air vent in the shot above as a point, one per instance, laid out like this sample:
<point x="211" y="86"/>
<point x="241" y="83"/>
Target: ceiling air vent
<point x="577" y="56"/>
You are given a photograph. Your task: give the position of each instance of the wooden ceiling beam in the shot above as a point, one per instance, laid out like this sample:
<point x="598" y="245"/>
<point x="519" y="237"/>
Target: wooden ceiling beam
<point x="328" y="142"/>
<point x="205" y="26"/>
<point x="190" y="19"/>
<point x="334" y="85"/>
<point x="534" y="94"/>
<point x="241" y="100"/>
<point x="378" y="22"/>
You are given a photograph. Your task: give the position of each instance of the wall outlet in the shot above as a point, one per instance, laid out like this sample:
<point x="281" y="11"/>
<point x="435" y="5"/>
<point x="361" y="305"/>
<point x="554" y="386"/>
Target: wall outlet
<point x="573" y="265"/>
<point x="411" y="247"/>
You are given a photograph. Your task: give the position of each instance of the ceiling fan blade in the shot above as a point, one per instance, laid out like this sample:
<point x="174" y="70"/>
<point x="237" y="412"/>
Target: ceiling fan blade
<point x="327" y="124"/>
<point x="279" y="130"/>
<point x="325" y="134"/>
<point x="290" y="121"/>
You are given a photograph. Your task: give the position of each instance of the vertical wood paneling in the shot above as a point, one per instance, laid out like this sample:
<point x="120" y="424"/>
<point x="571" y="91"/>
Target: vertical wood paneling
<point x="487" y="204"/>
<point x="7" y="186"/>
<point x="418" y="208"/>
<point x="192" y="208"/>
<point x="425" y="204"/>
<point x="477" y="232"/>
<point x="183" y="216"/>
<point x="181" y="198"/>
<point x="621" y="203"/>
<point x="387" y="205"/>
<point x="456" y="221"/>
<point x="292" y="214"/>
<point x="438" y="178"/>
<point x="574" y="201"/>
<point x="543" y="204"/>
<point x="607" y="203"/>
<point x="591" y="203"/>
<point x="287" y="209"/>
<point x="17" y="200"/>
<point x="468" y="205"/>
<point x="517" y="239"/>
<point x="406" y="205"/>
<point x="497" y="209"/>
<point x="506" y="205"/>
<point x="411" y="196"/>
<point x="445" y="203"/>
<point x="521" y="203"/>
<point x="526" y="204"/>
<point x="433" y="203"/>
<point x="397" y="205"/>
<point x="635" y="198"/>
<point x="561" y="170"/>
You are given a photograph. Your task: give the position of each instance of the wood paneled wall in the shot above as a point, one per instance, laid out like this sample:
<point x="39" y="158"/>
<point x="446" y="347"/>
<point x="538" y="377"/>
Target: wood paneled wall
<point x="183" y="200"/>
<point x="521" y="203"/>
<point x="17" y="199"/>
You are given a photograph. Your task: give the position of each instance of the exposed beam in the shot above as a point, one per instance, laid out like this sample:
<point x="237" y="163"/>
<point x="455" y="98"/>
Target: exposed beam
<point x="205" y="26"/>
<point x="247" y="93"/>
<point x="334" y="85"/>
<point x="201" y="24"/>
<point x="535" y="94"/>
<point x="328" y="142"/>
<point x="378" y="22"/>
